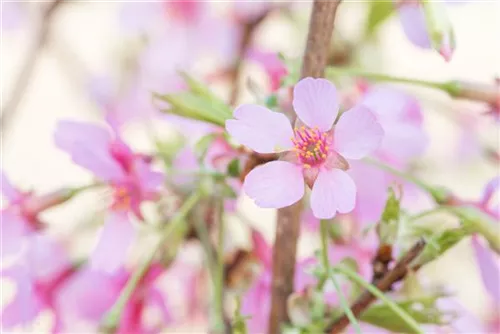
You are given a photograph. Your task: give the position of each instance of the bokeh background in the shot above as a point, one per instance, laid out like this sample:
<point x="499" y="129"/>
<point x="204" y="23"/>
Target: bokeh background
<point x="89" y="48"/>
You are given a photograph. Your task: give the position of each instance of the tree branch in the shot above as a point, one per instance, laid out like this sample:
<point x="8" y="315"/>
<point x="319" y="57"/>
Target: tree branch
<point x="23" y="80"/>
<point x="366" y="298"/>
<point x="288" y="220"/>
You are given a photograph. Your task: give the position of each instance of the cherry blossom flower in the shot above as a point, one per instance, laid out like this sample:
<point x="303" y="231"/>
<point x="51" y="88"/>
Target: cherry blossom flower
<point x="19" y="219"/>
<point x="405" y="139"/>
<point x="38" y="279"/>
<point x="128" y="174"/>
<point x="315" y="151"/>
<point x="274" y="67"/>
<point x="416" y="28"/>
<point x="89" y="294"/>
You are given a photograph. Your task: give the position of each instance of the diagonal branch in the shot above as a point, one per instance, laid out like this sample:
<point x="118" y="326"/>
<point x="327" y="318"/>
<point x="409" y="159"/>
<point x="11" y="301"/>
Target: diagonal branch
<point x="367" y="298"/>
<point x="288" y="220"/>
<point x="23" y="80"/>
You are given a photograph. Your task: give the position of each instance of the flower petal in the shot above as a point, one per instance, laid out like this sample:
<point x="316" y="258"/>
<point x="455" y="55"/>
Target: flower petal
<point x="403" y="141"/>
<point x="115" y="239"/>
<point x="489" y="269"/>
<point x="357" y="133"/>
<point x="89" y="147"/>
<point x="261" y="129"/>
<point x="275" y="185"/>
<point x="413" y="22"/>
<point x="316" y="103"/>
<point x="13" y="233"/>
<point x="333" y="191"/>
<point x="262" y="249"/>
<point x="46" y="257"/>
<point x="8" y="190"/>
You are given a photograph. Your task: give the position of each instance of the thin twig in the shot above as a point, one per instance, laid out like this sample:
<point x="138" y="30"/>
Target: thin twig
<point x="23" y="80"/>
<point x="288" y="220"/>
<point x="367" y="298"/>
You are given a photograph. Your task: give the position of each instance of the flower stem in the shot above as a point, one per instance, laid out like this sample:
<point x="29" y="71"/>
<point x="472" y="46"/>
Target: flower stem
<point x="219" y="278"/>
<point x="345" y="305"/>
<point x="112" y="318"/>
<point x="324" y="252"/>
<point x="380" y="295"/>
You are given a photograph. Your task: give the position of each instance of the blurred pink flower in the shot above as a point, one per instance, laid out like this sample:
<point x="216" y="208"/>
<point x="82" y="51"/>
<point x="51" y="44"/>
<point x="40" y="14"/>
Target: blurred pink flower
<point x="19" y="219"/>
<point x="413" y="20"/>
<point x="316" y="151"/>
<point x="405" y="139"/>
<point x="274" y="67"/>
<point x="89" y="294"/>
<point x="38" y="278"/>
<point x="129" y="175"/>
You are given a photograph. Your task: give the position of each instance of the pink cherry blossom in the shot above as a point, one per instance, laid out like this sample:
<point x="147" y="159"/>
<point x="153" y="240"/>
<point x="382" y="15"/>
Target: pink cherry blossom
<point x="315" y="151"/>
<point x="89" y="294"/>
<point x="38" y="277"/>
<point x="415" y="27"/>
<point x="128" y="174"/>
<point x="20" y="218"/>
<point x="274" y="67"/>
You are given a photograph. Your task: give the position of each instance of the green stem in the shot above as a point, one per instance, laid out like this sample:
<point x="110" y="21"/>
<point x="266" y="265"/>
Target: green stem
<point x="345" y="305"/>
<point x="452" y="88"/>
<point x="380" y="295"/>
<point x="324" y="252"/>
<point x="219" y="279"/>
<point x="112" y="318"/>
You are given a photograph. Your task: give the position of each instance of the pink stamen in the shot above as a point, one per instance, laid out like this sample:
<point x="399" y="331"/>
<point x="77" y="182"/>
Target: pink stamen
<point x="311" y="146"/>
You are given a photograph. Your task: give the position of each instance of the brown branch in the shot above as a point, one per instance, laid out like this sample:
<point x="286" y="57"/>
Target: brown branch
<point x="366" y="298"/>
<point x="288" y="220"/>
<point x="23" y="80"/>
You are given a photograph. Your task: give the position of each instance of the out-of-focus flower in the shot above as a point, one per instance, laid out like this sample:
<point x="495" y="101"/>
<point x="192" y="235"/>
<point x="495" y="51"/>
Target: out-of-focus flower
<point x="19" y="219"/>
<point x="129" y="175"/>
<point x="315" y="151"/>
<point x="89" y="294"/>
<point x="13" y="15"/>
<point x="427" y="26"/>
<point x="38" y="278"/>
<point x="400" y="116"/>
<point x="274" y="67"/>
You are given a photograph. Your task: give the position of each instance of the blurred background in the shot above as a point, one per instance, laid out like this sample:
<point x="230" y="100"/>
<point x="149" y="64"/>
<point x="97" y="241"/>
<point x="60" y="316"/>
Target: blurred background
<point x="85" y="52"/>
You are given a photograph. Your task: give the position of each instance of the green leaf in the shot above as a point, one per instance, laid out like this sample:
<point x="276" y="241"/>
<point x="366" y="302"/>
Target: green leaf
<point x="439" y="243"/>
<point x="423" y="310"/>
<point x="388" y="226"/>
<point x="190" y="105"/>
<point x="233" y="168"/>
<point x="203" y="144"/>
<point x="378" y="13"/>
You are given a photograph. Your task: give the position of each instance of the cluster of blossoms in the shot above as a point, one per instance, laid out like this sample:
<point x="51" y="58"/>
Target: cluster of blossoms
<point x="344" y="150"/>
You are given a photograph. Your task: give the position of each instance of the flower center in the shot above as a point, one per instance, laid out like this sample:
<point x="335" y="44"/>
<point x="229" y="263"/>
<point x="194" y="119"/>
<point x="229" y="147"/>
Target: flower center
<point x="121" y="198"/>
<point x="311" y="146"/>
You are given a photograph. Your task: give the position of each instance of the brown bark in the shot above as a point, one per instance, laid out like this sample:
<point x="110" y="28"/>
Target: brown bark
<point x="288" y="220"/>
<point x="366" y="299"/>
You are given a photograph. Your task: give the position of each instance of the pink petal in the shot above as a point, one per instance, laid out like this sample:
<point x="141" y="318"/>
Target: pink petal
<point x="489" y="269"/>
<point x="8" y="190"/>
<point x="157" y="299"/>
<point x="371" y="191"/>
<point x="256" y="303"/>
<point x="316" y="103"/>
<point x="275" y="185"/>
<point x="357" y="133"/>
<point x="89" y="146"/>
<point x="88" y="295"/>
<point x="26" y="305"/>
<point x="45" y="257"/>
<point x="403" y="141"/>
<point x="149" y="179"/>
<point x="489" y="190"/>
<point x="261" y="129"/>
<point x="262" y="248"/>
<point x="114" y="242"/>
<point x="333" y="191"/>
<point x="413" y="22"/>
<point x="14" y="229"/>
